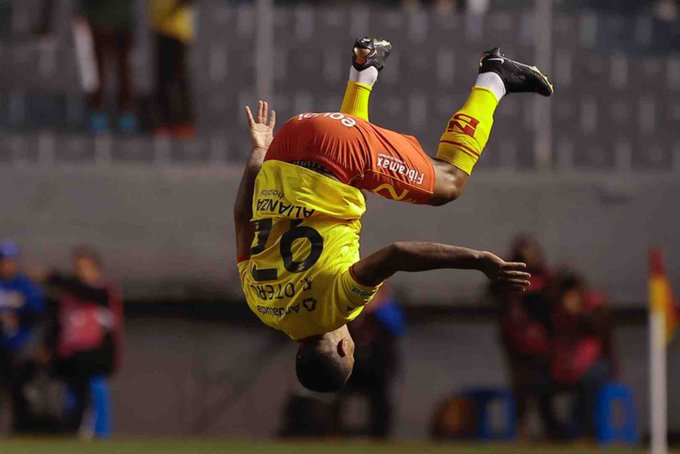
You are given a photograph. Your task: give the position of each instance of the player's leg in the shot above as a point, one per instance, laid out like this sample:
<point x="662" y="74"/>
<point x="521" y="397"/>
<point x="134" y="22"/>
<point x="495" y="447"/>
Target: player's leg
<point x="468" y="130"/>
<point x="368" y="58"/>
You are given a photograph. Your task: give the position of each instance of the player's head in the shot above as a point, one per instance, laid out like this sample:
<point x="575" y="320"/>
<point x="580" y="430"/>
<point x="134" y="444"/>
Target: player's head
<point x="324" y="363"/>
<point x="87" y="264"/>
<point x="527" y="249"/>
<point x="9" y="259"/>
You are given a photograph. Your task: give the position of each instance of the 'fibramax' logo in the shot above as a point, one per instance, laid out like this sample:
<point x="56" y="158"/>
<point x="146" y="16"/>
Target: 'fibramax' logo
<point x="397" y="166"/>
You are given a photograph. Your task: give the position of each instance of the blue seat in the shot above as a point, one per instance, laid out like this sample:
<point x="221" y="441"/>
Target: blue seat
<point x="606" y="431"/>
<point x="482" y="398"/>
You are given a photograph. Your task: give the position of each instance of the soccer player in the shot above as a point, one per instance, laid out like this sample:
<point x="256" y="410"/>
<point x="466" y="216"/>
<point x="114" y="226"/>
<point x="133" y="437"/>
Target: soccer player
<point x="299" y="205"/>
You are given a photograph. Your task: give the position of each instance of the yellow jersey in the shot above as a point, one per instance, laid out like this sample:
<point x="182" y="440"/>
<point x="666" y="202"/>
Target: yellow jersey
<point x="298" y="278"/>
<point x="170" y="20"/>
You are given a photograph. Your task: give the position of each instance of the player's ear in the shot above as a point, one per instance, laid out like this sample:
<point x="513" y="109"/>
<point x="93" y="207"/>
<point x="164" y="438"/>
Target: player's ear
<point x="343" y="347"/>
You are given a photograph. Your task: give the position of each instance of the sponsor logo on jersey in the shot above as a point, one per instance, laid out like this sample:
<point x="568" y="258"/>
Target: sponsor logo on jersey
<point x="278" y="311"/>
<point x="272" y="193"/>
<point x="397" y="166"/>
<point x="309" y="304"/>
<point x="278" y="207"/>
<point x="363" y="293"/>
<point x="464" y="124"/>
<point x="391" y="191"/>
<point x="342" y="118"/>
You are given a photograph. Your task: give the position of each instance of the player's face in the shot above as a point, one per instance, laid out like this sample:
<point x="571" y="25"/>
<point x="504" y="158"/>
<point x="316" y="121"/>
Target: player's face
<point x="86" y="269"/>
<point x="9" y="267"/>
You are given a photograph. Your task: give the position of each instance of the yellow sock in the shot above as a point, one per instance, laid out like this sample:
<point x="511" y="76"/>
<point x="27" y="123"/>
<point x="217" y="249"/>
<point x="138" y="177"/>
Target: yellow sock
<point x="356" y="100"/>
<point x="468" y="130"/>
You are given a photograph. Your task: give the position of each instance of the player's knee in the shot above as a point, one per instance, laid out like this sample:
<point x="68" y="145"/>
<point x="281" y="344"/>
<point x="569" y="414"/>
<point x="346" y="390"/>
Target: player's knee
<point x="446" y="195"/>
<point x="449" y="184"/>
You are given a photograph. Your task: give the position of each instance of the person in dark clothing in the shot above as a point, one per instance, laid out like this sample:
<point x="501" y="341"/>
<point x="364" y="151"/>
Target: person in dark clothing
<point x="173" y="28"/>
<point x="87" y="334"/>
<point x="582" y="357"/>
<point x="376" y="361"/>
<point x="109" y="24"/>
<point x="526" y="330"/>
<point x="21" y="310"/>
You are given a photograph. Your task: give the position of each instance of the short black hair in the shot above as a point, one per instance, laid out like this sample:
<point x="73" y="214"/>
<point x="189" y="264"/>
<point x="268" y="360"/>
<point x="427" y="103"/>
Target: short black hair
<point x="86" y="252"/>
<point x="321" y="370"/>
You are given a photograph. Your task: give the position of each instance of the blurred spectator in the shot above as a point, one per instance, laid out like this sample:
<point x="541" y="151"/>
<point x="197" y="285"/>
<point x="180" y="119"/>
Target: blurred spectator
<point x="109" y="23"/>
<point x="173" y="27"/>
<point x="525" y="332"/>
<point x="21" y="308"/>
<point x="87" y="338"/>
<point x="583" y="357"/>
<point x="666" y="10"/>
<point x="376" y="366"/>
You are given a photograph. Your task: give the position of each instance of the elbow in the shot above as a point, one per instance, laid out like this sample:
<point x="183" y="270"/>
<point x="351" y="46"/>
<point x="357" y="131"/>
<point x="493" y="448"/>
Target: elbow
<point x="396" y="252"/>
<point x="392" y="258"/>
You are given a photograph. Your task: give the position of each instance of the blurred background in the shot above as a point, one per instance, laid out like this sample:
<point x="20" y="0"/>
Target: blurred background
<point x="121" y="146"/>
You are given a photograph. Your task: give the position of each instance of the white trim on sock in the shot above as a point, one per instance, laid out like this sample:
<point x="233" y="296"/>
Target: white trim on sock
<point x="368" y="76"/>
<point x="491" y="81"/>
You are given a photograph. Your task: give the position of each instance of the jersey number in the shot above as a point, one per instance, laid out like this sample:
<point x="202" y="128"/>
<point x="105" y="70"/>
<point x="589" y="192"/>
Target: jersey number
<point x="263" y="229"/>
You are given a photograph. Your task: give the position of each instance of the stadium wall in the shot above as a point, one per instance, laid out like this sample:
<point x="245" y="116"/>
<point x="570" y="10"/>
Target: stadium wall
<point x="164" y="232"/>
<point x="183" y="378"/>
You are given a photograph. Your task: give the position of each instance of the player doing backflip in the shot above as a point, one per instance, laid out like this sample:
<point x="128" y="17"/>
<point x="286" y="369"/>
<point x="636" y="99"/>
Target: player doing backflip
<point x="299" y="206"/>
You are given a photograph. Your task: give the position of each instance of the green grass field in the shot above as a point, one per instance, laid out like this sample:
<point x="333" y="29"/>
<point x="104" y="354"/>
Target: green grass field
<point x="60" y="446"/>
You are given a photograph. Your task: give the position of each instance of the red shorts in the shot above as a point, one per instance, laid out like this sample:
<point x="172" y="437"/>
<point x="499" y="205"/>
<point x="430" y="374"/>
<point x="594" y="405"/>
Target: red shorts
<point x="358" y="153"/>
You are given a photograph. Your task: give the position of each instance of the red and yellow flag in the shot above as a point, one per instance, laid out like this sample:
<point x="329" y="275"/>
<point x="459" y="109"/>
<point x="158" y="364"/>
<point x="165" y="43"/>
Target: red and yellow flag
<point x="661" y="295"/>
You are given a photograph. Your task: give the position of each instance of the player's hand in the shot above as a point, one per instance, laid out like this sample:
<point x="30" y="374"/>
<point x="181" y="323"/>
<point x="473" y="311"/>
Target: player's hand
<point x="262" y="125"/>
<point x="509" y="275"/>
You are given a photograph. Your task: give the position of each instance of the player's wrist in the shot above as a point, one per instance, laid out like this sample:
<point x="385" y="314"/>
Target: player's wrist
<point x="483" y="260"/>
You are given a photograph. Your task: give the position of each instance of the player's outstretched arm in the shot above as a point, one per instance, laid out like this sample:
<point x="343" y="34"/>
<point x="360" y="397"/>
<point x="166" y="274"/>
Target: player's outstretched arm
<point x="261" y="135"/>
<point x="403" y="256"/>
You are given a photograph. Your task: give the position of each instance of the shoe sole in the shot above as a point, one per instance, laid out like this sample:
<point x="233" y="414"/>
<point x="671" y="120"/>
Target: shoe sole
<point x="533" y="69"/>
<point x="544" y="78"/>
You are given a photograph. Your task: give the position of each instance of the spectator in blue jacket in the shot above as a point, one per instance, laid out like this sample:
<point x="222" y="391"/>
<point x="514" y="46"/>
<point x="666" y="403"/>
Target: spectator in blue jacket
<point x="21" y="308"/>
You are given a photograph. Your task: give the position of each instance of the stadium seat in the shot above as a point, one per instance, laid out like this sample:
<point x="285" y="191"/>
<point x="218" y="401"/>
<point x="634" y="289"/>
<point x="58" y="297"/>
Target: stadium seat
<point x="606" y="430"/>
<point x="483" y="398"/>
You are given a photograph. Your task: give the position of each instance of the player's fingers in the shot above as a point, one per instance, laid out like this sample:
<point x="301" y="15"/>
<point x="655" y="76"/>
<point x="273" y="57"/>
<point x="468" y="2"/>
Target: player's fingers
<point x="263" y="114"/>
<point x="272" y="119"/>
<point x="514" y="266"/>
<point x="517" y="274"/>
<point x="260" y="111"/>
<point x="249" y="116"/>
<point x="515" y="282"/>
